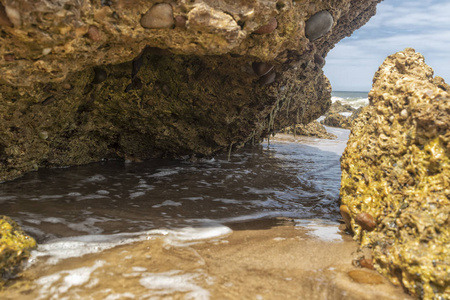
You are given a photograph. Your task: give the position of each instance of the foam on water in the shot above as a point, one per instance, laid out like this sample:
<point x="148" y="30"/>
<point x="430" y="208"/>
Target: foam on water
<point x="327" y="231"/>
<point x="78" y="246"/>
<point x="174" y="281"/>
<point x="54" y="285"/>
<point x="355" y="99"/>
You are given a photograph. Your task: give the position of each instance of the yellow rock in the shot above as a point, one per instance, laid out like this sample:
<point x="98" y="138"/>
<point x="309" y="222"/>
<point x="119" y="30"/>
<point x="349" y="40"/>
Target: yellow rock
<point x="15" y="246"/>
<point x="396" y="168"/>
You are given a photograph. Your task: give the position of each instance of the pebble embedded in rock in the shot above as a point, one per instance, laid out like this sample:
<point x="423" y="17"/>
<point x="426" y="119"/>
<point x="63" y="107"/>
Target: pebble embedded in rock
<point x="318" y="25"/>
<point x="13" y="15"/>
<point x="268" y="78"/>
<point x="4" y="20"/>
<point x="367" y="263"/>
<point x="9" y="57"/>
<point x="159" y="15"/>
<point x="261" y="68"/>
<point x="366" y="221"/>
<point x="180" y="21"/>
<point x="345" y="213"/>
<point x="404" y="113"/>
<point x="318" y="59"/>
<point x="362" y="276"/>
<point x="268" y="28"/>
<point x="99" y="76"/>
<point x="93" y="33"/>
<point x="43" y="135"/>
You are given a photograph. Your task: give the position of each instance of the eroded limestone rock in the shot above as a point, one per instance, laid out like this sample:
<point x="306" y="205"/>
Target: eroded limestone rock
<point x="100" y="85"/>
<point x="396" y="176"/>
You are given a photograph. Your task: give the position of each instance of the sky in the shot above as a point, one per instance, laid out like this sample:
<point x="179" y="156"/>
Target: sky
<point x="420" y="24"/>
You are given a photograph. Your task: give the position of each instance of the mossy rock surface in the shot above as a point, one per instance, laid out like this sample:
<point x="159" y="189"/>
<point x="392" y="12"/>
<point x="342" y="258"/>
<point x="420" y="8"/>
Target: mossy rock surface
<point x="15" y="247"/>
<point x="396" y="176"/>
<point x="84" y="81"/>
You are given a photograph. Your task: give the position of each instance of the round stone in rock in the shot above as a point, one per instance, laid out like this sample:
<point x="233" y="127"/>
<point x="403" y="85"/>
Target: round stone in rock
<point x="159" y="15"/>
<point x="180" y="21"/>
<point x="261" y="68"/>
<point x="318" y="59"/>
<point x="318" y="25"/>
<point x="268" y="28"/>
<point x="366" y="221"/>
<point x="268" y="78"/>
<point x="367" y="277"/>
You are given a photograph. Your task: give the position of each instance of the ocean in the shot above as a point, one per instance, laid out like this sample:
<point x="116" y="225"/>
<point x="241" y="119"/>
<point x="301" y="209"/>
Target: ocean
<point x="355" y="99"/>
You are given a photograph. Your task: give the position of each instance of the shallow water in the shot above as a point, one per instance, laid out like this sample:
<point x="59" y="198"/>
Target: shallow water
<point x="118" y="230"/>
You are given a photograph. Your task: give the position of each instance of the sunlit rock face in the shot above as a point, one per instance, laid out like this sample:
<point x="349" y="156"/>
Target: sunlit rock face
<point x="396" y="175"/>
<point x="83" y="81"/>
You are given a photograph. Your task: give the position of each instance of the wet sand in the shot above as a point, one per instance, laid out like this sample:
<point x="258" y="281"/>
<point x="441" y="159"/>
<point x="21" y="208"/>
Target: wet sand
<point x="261" y="259"/>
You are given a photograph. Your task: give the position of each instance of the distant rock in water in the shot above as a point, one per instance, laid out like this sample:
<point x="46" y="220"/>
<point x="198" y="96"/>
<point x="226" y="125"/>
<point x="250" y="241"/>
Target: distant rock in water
<point x="335" y="116"/>
<point x="395" y="176"/>
<point x="313" y="128"/>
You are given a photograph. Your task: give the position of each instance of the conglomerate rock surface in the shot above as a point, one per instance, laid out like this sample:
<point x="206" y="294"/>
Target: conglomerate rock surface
<point x="395" y="187"/>
<point x="84" y="80"/>
<point x="15" y="247"/>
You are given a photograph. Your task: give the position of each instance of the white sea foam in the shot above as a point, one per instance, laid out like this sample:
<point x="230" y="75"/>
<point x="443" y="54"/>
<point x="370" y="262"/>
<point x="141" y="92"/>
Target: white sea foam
<point x="174" y="281"/>
<point x="345" y="114"/>
<point x="95" y="178"/>
<point x="168" y="203"/>
<point x="327" y="231"/>
<point x="78" y="246"/>
<point x="52" y="286"/>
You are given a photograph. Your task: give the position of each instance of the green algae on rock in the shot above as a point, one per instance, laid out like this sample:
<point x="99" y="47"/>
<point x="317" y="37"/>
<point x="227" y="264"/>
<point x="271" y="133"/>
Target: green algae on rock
<point x="396" y="168"/>
<point x="15" y="247"/>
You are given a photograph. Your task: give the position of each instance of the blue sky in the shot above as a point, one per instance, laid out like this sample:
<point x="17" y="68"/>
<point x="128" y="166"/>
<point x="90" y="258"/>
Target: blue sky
<point x="421" y="24"/>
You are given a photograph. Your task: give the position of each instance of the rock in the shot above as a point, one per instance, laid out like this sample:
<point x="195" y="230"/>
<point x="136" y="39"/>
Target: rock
<point x="396" y="167"/>
<point x="335" y="118"/>
<point x="180" y="21"/>
<point x="15" y="248"/>
<point x="362" y="276"/>
<point x="267" y="78"/>
<point x="367" y="263"/>
<point x="319" y="60"/>
<point x="9" y="57"/>
<point x="158" y="16"/>
<point x="94" y="33"/>
<point x="313" y="128"/>
<point x="4" y="20"/>
<point x="261" y="68"/>
<point x="13" y="15"/>
<point x="318" y="25"/>
<point x="366" y="221"/>
<point x="268" y="28"/>
<point x="212" y="99"/>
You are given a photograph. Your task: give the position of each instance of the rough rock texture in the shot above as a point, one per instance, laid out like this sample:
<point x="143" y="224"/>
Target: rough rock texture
<point x="313" y="128"/>
<point x="83" y="81"/>
<point x="334" y="118"/>
<point x="396" y="176"/>
<point x="15" y="246"/>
